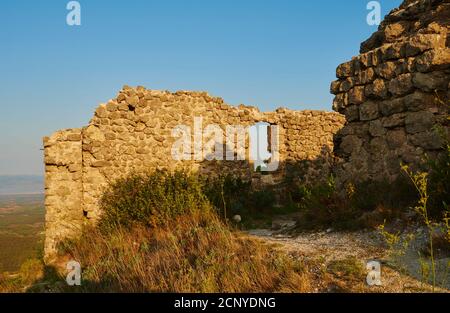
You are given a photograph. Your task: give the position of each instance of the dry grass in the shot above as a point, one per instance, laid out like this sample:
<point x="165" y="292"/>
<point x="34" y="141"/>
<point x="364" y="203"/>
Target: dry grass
<point x="31" y="271"/>
<point x="192" y="253"/>
<point x="350" y="268"/>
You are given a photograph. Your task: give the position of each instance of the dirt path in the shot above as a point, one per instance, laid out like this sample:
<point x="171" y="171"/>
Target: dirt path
<point x="338" y="259"/>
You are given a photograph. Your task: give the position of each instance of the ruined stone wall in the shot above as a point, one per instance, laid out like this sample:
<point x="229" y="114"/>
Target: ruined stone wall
<point x="395" y="93"/>
<point x="133" y="132"/>
<point x="63" y="185"/>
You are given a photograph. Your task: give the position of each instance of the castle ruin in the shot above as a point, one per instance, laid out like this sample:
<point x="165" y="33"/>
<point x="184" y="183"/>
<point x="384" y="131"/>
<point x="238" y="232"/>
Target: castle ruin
<point x="391" y="100"/>
<point x="134" y="133"/>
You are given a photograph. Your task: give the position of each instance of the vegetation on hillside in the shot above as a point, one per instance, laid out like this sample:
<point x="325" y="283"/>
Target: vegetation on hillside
<point x="160" y="232"/>
<point x="433" y="212"/>
<point x="21" y="230"/>
<point x="174" y="232"/>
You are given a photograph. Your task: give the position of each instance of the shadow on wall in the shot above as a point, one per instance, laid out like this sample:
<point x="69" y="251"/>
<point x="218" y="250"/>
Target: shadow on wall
<point x="308" y="172"/>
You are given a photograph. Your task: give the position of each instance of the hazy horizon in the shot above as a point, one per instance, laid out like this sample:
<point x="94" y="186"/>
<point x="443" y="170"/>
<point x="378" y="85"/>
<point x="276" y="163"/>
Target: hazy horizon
<point x="21" y="184"/>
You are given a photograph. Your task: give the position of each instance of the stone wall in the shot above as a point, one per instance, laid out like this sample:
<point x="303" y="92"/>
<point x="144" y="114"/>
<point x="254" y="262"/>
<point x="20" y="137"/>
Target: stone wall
<point x="63" y="185"/>
<point x="395" y="93"/>
<point x="133" y="132"/>
<point x="391" y="98"/>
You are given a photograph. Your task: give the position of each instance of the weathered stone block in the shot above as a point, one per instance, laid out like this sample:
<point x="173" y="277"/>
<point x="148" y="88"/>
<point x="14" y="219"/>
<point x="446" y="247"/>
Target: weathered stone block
<point x="356" y="95"/>
<point x="378" y="147"/>
<point x="101" y="111"/>
<point x="394" y="120"/>
<point x="352" y="113"/>
<point x="389" y="107"/>
<point x="74" y="167"/>
<point x="74" y="137"/>
<point x="111" y="107"/>
<point x="432" y="60"/>
<point x="393" y="51"/>
<point x="376" y="128"/>
<point x="368" y="111"/>
<point x="110" y="136"/>
<point x="422" y="42"/>
<point x="345" y="70"/>
<point x="340" y="101"/>
<point x="366" y="59"/>
<point x="347" y="84"/>
<point x="431" y="81"/>
<point x="366" y="76"/>
<point x="419" y="101"/>
<point x="334" y="87"/>
<point x="377" y="89"/>
<point x="429" y="140"/>
<point x="387" y="70"/>
<point x="401" y="85"/>
<point x="395" y="30"/>
<point x="416" y="122"/>
<point x="396" y="138"/>
<point x="350" y="143"/>
<point x="99" y="164"/>
<point x="410" y="154"/>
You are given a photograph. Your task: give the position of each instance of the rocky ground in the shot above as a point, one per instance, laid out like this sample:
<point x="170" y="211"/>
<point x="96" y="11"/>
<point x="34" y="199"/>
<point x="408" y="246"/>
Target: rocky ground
<point x="338" y="259"/>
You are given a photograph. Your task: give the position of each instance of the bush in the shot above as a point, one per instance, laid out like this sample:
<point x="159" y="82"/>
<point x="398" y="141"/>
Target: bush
<point x="396" y="195"/>
<point x="332" y="211"/>
<point x="262" y="199"/>
<point x="228" y="194"/>
<point x="232" y="195"/>
<point x="323" y="207"/>
<point x="157" y="197"/>
<point x="365" y="205"/>
<point x="188" y="248"/>
<point x="152" y="199"/>
<point x="31" y="271"/>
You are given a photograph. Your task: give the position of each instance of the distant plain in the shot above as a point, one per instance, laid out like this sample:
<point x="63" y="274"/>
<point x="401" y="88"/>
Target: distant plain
<point x="22" y="216"/>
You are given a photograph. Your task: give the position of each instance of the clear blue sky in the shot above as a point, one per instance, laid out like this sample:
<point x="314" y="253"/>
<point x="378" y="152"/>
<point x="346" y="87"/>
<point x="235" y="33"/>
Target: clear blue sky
<point x="259" y="52"/>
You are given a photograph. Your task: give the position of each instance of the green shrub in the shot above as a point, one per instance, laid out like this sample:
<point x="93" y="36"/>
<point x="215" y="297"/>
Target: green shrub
<point x="365" y="205"/>
<point x="323" y="207"/>
<point x="152" y="199"/>
<point x="228" y="194"/>
<point x="157" y="197"/>
<point x="232" y="195"/>
<point x="397" y="195"/>
<point x="262" y="199"/>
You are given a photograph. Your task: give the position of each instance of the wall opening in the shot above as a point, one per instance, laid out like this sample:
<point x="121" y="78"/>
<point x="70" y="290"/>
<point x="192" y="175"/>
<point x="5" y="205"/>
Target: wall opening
<point x="260" y="152"/>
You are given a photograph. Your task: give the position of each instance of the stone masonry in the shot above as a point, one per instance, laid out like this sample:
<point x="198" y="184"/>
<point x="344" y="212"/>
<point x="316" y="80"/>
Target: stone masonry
<point x="395" y="94"/>
<point x="133" y="133"/>
<point x="392" y="101"/>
